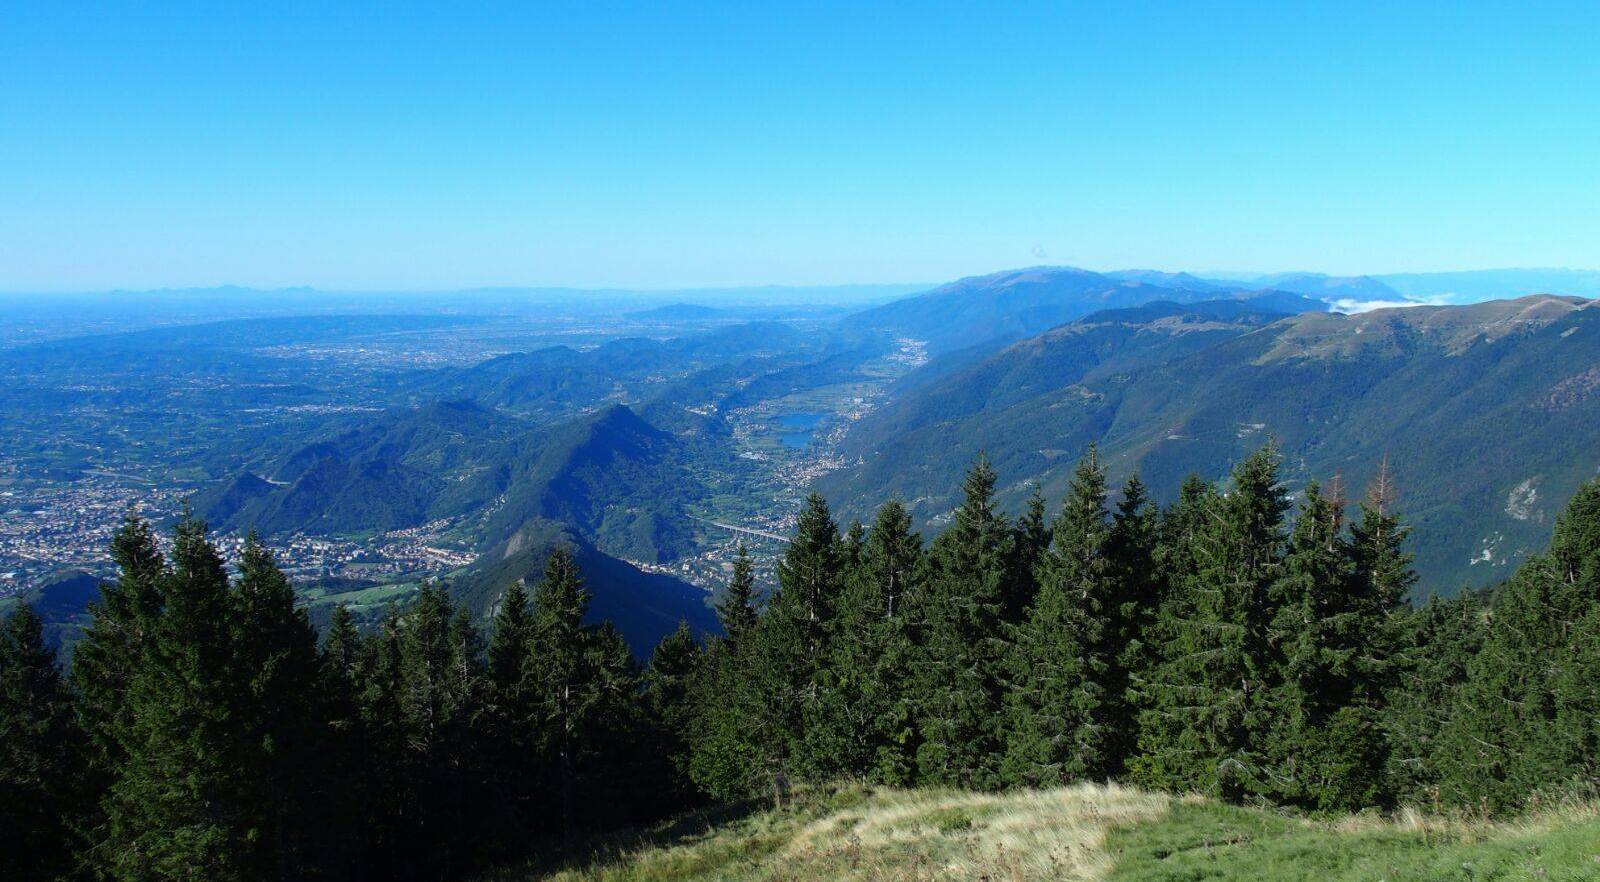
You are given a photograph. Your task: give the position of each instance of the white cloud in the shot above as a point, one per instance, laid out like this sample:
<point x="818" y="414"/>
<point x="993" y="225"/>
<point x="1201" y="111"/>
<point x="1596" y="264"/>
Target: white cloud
<point x="1351" y="306"/>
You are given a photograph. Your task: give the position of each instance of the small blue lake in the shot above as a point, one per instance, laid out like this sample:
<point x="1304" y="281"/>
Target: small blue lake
<point x="795" y="429"/>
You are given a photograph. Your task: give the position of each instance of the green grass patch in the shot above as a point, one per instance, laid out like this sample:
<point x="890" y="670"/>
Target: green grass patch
<point x="1203" y="841"/>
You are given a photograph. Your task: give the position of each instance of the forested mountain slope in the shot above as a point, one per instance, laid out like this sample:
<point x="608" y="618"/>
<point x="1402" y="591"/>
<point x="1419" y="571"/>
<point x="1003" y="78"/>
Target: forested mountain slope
<point x="1488" y="414"/>
<point x="612" y="476"/>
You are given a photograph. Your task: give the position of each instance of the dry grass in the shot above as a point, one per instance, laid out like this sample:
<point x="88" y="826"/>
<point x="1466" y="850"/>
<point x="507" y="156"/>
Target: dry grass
<point x="861" y="834"/>
<point x="877" y="835"/>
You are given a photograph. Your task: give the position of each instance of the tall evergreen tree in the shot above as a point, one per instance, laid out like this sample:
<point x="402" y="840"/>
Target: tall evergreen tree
<point x="104" y="661"/>
<point x="863" y="701"/>
<point x="790" y="650"/>
<point x="423" y="702"/>
<point x="560" y="675"/>
<point x="1327" y="746"/>
<point x="1437" y="642"/>
<point x="508" y="648"/>
<point x="1060" y="707"/>
<point x="673" y="666"/>
<point x="179" y="808"/>
<point x="736" y="608"/>
<point x="41" y="756"/>
<point x="1518" y="728"/>
<point x="1030" y="548"/>
<point x="1131" y="549"/>
<point x="964" y="646"/>
<point x="280" y="712"/>
<point x="1210" y="702"/>
<point x="351" y="755"/>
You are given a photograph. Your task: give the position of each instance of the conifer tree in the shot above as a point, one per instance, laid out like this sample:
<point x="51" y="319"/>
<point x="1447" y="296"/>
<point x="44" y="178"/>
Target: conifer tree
<point x="730" y="745"/>
<point x="1059" y="704"/>
<point x="790" y="651"/>
<point x="673" y="666"/>
<point x="964" y="650"/>
<point x="863" y="700"/>
<point x="350" y="751"/>
<point x="508" y="647"/>
<point x="1436" y="644"/>
<point x="424" y="702"/>
<point x="1518" y="727"/>
<point x="104" y="661"/>
<point x="736" y="608"/>
<point x="279" y="714"/>
<point x="1203" y="729"/>
<point x="1328" y="749"/>
<point x="1031" y="546"/>
<point x="178" y="808"/>
<point x="41" y="756"/>
<point x="560" y="676"/>
<point x="1131" y="549"/>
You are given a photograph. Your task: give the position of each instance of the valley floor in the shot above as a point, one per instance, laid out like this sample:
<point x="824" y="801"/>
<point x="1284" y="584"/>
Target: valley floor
<point x="1076" y="833"/>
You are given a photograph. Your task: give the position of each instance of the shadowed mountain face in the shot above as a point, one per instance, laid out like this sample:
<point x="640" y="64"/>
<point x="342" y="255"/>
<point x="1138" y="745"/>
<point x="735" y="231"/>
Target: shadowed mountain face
<point x="644" y="606"/>
<point x="1487" y="413"/>
<point x="1019" y="303"/>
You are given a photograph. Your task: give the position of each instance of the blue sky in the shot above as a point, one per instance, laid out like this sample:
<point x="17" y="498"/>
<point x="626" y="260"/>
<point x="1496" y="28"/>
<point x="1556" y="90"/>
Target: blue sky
<point x="662" y="145"/>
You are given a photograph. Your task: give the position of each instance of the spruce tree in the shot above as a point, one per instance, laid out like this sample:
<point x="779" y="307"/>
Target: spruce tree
<point x="1518" y="727"/>
<point x="863" y="700"/>
<point x="423" y="702"/>
<point x="736" y="608"/>
<point x="1061" y="711"/>
<point x="280" y="714"/>
<point x="1030" y="548"/>
<point x="1327" y="746"/>
<point x="731" y="753"/>
<point x="964" y="648"/>
<point x="350" y="752"/>
<point x="41" y="756"/>
<point x="790" y="651"/>
<point x="559" y="677"/>
<point x="179" y="807"/>
<point x="1131" y="549"/>
<point x="104" y="661"/>
<point x="1436" y="644"/>
<point x="1210" y="696"/>
<point x="673" y="666"/>
<point x="508" y="646"/>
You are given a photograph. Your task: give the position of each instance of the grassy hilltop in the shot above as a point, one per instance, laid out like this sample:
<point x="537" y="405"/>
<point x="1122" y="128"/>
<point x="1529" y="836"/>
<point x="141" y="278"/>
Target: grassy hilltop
<point x="1083" y="832"/>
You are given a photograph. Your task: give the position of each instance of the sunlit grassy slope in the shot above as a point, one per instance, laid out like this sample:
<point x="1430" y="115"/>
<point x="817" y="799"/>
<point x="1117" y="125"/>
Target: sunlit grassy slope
<point x="1076" y="833"/>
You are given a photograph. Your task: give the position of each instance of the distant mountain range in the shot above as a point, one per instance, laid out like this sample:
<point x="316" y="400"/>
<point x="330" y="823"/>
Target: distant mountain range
<point x="1487" y="413"/>
<point x="1494" y="284"/>
<point x="1019" y="303"/>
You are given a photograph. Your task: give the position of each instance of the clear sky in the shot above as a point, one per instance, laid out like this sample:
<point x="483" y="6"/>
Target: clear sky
<point x="675" y="144"/>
